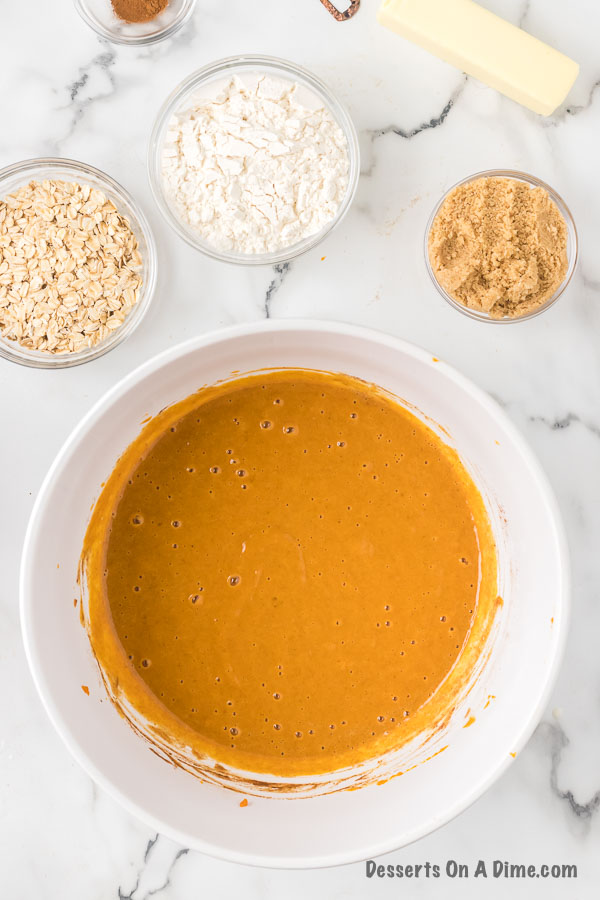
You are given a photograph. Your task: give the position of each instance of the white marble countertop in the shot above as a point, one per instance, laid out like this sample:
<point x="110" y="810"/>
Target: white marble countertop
<point x="423" y="126"/>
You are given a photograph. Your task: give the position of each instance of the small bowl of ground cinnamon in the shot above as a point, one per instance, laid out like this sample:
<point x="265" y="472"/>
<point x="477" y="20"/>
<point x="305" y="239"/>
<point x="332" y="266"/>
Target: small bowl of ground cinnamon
<point x="135" y="21"/>
<point x="501" y="246"/>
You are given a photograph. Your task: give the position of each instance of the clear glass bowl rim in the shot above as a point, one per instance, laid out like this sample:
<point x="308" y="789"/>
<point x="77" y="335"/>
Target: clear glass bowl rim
<point x="224" y="66"/>
<point x="572" y="245"/>
<point x="184" y="14"/>
<point x="38" y="168"/>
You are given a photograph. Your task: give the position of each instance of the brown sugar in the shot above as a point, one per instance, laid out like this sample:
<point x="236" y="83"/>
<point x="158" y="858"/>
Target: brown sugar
<point x="138" y="10"/>
<point x="499" y="246"/>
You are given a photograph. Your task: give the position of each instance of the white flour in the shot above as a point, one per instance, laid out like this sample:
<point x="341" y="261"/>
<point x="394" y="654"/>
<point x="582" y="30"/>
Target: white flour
<point x="252" y="169"/>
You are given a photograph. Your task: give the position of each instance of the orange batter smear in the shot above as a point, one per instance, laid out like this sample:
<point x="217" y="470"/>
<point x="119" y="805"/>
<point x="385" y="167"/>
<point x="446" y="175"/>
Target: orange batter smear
<point x="288" y="573"/>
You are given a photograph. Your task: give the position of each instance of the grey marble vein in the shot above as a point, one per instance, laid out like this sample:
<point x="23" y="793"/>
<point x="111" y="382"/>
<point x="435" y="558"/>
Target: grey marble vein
<point x="558" y="742"/>
<point x="133" y="894"/>
<point x="149" y="847"/>
<point x="524" y="13"/>
<point x="182" y="852"/>
<point x="129" y="896"/>
<point x="280" y="273"/>
<point x="574" y="110"/>
<point x="373" y="134"/>
<point x="498" y="399"/>
<point x="104" y="61"/>
<point x="435" y="122"/>
<point x="559" y="424"/>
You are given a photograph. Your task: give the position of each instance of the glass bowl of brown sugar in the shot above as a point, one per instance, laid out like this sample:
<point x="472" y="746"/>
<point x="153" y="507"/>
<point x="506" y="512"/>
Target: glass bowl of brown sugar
<point x="501" y="246"/>
<point x="135" y="21"/>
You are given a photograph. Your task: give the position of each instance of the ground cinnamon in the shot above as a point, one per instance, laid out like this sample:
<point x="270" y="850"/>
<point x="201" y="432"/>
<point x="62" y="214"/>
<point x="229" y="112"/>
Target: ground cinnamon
<point x="138" y="10"/>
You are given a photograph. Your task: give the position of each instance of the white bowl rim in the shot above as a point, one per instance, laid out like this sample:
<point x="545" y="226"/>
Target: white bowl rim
<point x="563" y="593"/>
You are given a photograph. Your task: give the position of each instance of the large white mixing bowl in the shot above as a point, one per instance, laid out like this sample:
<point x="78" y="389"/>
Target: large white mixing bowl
<point x="506" y="700"/>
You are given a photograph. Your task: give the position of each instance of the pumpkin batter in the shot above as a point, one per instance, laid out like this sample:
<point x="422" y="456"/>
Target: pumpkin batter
<point x="284" y="569"/>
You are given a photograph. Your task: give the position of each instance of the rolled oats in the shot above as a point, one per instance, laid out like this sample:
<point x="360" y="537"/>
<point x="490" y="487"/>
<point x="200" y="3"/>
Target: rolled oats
<point x="70" y="268"/>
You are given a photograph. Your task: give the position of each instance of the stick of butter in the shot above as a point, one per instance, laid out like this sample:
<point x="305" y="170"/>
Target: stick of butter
<point x="487" y="47"/>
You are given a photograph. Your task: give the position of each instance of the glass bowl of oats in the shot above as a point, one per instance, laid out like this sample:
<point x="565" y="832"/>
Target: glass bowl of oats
<point x="77" y="263"/>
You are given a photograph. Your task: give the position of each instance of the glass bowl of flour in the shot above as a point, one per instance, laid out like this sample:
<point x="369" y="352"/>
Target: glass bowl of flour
<point x="253" y="160"/>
